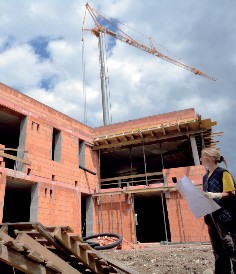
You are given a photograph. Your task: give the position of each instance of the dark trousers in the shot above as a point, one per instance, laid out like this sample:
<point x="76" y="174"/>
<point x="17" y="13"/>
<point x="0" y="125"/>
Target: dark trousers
<point x="224" y="247"/>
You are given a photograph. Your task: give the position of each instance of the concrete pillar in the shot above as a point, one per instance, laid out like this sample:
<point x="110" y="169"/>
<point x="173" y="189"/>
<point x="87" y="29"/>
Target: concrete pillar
<point x="194" y="150"/>
<point x="89" y="216"/>
<point x="2" y="193"/>
<point x="22" y="138"/>
<point x="34" y="203"/>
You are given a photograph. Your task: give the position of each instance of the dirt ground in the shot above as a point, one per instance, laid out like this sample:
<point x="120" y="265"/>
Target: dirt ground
<point x="171" y="258"/>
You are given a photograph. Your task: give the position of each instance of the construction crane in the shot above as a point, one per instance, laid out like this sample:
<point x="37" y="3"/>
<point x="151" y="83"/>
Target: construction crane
<point x="99" y="30"/>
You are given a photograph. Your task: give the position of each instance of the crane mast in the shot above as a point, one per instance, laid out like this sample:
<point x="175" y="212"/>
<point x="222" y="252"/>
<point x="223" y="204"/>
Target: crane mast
<point x="105" y="97"/>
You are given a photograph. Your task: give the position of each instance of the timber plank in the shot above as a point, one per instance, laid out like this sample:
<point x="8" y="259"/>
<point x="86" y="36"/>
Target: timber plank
<point x="22" y="263"/>
<point x="9" y="156"/>
<point x="10" y="242"/>
<point x="34" y="255"/>
<point x="79" y="252"/>
<point x="53" y="259"/>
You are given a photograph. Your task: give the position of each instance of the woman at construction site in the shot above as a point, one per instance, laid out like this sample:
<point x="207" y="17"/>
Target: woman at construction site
<point x="218" y="184"/>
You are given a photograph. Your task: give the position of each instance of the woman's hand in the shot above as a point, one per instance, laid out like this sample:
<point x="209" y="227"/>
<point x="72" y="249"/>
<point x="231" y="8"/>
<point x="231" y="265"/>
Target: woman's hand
<point x="212" y="195"/>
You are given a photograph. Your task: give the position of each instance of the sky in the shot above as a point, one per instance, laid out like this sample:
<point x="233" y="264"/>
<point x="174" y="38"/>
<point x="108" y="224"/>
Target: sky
<point x="43" y="55"/>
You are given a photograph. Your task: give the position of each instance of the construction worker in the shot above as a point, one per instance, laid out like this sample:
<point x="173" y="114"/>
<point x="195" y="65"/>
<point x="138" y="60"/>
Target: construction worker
<point x="219" y="185"/>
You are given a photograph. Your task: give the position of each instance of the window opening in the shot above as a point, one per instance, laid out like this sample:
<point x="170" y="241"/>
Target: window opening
<point x="56" y="145"/>
<point x="81" y="153"/>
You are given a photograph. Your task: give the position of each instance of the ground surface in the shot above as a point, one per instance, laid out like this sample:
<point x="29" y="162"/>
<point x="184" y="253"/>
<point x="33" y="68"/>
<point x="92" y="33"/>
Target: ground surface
<point x="172" y="258"/>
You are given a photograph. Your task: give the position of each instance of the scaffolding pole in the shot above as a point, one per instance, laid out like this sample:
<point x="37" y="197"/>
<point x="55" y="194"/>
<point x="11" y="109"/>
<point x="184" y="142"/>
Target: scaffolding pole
<point x="100" y="219"/>
<point x="111" y="214"/>
<point x="121" y="224"/>
<point x="131" y="163"/>
<point x="135" y="235"/>
<point x="164" y="216"/>
<point x="145" y="164"/>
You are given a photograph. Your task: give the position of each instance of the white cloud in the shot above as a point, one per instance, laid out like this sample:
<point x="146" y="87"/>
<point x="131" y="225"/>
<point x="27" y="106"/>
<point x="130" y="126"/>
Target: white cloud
<point x="140" y="84"/>
<point x="21" y="68"/>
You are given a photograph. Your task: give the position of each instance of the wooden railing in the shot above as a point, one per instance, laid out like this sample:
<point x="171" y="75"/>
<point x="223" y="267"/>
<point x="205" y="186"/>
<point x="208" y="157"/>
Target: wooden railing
<point x="132" y="180"/>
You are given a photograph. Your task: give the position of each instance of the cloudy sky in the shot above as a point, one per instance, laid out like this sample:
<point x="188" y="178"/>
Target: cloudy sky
<point x="43" y="56"/>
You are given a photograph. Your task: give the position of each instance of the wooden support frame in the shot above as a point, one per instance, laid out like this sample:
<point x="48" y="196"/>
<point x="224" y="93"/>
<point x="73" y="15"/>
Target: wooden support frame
<point x="12" y="157"/>
<point x="28" y="241"/>
<point x="79" y="250"/>
<point x="23" y="263"/>
<point x="70" y="253"/>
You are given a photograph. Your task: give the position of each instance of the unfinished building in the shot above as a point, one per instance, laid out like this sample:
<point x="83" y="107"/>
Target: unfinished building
<point x="117" y="178"/>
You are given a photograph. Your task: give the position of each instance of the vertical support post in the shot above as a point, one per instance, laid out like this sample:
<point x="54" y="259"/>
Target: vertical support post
<point x="131" y="163"/>
<point x="111" y="215"/>
<point x="101" y="221"/>
<point x="134" y="217"/>
<point x="121" y="224"/>
<point x="203" y="142"/>
<point x="99" y="165"/>
<point x="164" y="216"/>
<point x="145" y="164"/>
<point x="162" y="163"/>
<point x="22" y="140"/>
<point x="89" y="216"/>
<point x="194" y="150"/>
<point x="34" y="203"/>
<point x="162" y="160"/>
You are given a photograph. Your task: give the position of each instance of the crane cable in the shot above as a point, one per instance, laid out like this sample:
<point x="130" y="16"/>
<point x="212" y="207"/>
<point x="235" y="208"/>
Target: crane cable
<point x="83" y="71"/>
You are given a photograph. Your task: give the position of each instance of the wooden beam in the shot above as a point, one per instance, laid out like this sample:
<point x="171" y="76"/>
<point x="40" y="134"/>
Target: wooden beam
<point x="149" y="190"/>
<point x="28" y="241"/>
<point x="18" y="159"/>
<point x="154" y="126"/>
<point x="131" y="176"/>
<point x="106" y="194"/>
<point x="13" y="149"/>
<point x="22" y="263"/>
<point x="148" y="139"/>
<point x="136" y="190"/>
<point x="10" y="242"/>
<point x="79" y="250"/>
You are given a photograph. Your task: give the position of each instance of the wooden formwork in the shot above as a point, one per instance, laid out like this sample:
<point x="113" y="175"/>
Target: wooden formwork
<point x="35" y="249"/>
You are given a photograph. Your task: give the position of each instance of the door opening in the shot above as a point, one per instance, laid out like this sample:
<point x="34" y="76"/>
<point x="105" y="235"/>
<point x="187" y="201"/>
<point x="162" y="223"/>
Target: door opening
<point x="152" y="218"/>
<point x="17" y="202"/>
<point x="86" y="215"/>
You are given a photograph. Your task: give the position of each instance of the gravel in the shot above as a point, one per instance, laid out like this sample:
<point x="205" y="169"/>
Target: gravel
<point x="171" y="258"/>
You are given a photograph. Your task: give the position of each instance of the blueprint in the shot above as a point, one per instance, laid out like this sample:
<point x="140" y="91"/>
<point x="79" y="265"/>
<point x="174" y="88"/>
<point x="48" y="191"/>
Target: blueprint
<point x="197" y="202"/>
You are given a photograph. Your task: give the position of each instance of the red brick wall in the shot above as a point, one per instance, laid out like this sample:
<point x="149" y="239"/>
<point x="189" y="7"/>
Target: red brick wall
<point x="114" y="214"/>
<point x="194" y="173"/>
<point x="184" y="227"/>
<point x="59" y="207"/>
<point x="64" y="180"/>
